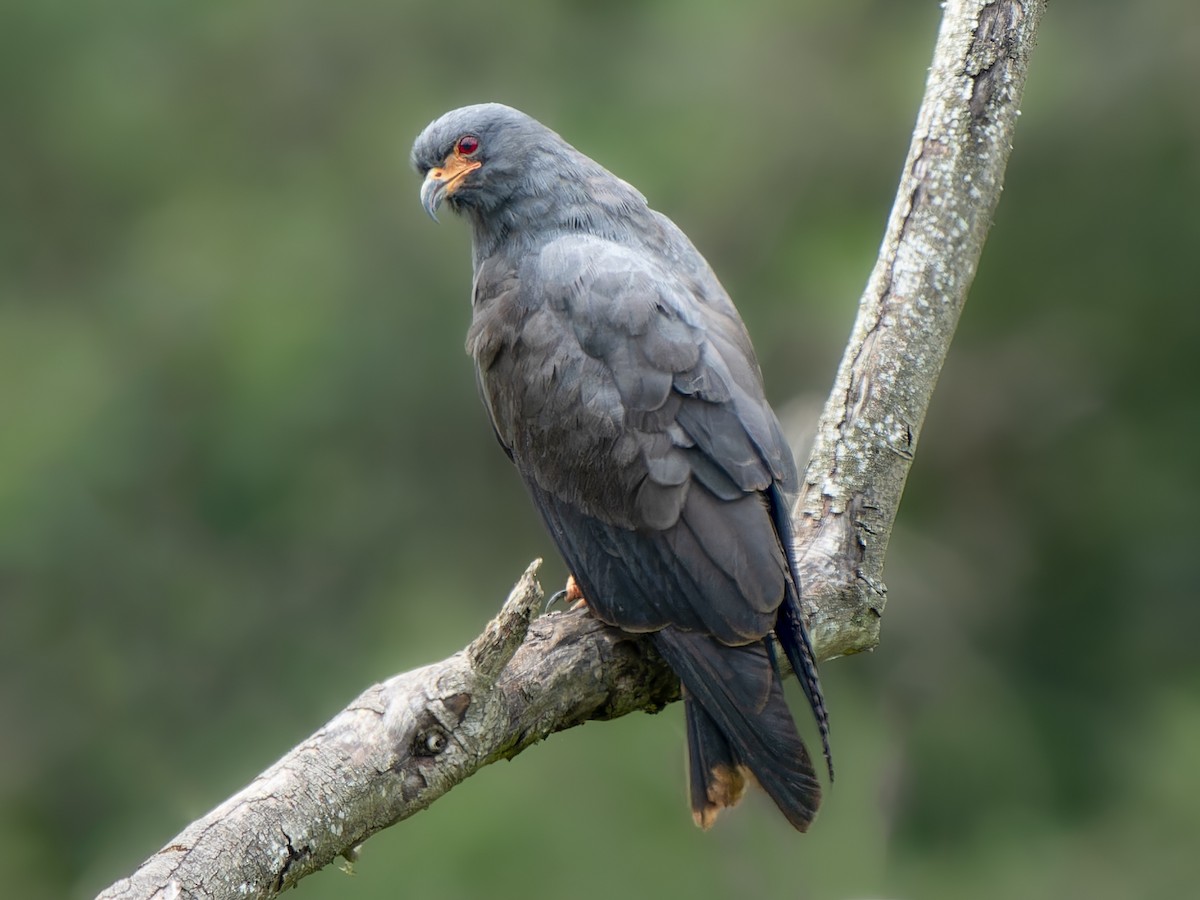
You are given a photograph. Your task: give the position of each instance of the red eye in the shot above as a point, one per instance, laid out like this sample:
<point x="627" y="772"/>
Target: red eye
<point x="467" y="144"/>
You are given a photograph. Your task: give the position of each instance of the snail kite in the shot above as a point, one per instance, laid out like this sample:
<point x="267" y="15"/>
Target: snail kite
<point x="621" y="382"/>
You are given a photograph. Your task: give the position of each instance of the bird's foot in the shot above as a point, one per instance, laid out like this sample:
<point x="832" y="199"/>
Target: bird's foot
<point x="571" y="595"/>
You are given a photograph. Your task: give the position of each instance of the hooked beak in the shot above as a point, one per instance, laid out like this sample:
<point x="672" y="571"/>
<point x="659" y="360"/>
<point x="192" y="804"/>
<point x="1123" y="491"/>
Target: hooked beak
<point x="444" y="180"/>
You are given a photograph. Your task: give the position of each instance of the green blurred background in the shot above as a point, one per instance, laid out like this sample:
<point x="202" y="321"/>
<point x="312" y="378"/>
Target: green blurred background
<point x="243" y="470"/>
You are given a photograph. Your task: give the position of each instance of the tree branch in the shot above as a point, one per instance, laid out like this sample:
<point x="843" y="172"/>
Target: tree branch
<point x="868" y="431"/>
<point x="405" y="742"/>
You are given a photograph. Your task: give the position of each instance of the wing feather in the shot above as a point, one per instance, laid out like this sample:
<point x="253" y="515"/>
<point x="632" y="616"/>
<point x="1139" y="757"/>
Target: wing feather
<point x="636" y="416"/>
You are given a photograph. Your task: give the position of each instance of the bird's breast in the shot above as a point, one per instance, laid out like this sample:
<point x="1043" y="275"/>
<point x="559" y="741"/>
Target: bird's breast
<point x="554" y="407"/>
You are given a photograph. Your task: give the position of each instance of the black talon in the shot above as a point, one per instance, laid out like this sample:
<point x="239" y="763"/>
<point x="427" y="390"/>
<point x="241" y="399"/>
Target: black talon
<point x="555" y="598"/>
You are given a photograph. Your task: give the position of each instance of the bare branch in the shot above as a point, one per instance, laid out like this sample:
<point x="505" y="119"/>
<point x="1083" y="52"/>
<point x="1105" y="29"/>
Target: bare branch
<point x="869" y="428"/>
<point x="404" y="743"/>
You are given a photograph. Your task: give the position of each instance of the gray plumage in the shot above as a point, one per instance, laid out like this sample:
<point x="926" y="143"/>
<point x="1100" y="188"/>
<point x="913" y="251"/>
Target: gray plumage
<point x="621" y="381"/>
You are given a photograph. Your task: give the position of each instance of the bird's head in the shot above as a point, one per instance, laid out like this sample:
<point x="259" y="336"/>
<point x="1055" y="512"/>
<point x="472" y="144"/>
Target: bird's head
<point x="478" y="157"/>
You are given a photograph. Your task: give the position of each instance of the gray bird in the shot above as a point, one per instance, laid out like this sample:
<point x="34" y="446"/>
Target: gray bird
<point x="621" y="382"/>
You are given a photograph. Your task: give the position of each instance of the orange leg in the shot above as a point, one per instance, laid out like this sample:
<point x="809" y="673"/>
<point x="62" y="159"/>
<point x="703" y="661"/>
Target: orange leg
<point x="572" y="595"/>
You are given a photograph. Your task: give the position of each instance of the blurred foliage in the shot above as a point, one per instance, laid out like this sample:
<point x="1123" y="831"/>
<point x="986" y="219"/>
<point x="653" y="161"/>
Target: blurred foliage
<point x="243" y="472"/>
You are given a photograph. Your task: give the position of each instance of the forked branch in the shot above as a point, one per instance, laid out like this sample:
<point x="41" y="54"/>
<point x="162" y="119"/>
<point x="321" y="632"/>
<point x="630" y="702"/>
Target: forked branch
<point x="405" y="742"/>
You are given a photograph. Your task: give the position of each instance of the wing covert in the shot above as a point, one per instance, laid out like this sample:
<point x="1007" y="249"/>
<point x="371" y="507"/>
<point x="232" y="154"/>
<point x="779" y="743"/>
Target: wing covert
<point x="638" y="422"/>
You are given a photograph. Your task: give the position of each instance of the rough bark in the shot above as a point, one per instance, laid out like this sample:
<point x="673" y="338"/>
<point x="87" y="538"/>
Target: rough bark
<point x="868" y="431"/>
<point x="405" y="742"/>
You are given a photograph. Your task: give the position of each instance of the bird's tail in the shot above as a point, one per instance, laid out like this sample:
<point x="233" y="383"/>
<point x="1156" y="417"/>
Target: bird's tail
<point x="789" y="624"/>
<point x="738" y="726"/>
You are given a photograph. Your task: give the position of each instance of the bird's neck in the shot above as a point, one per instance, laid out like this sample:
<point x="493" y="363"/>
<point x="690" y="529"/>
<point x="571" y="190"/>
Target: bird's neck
<point x="589" y="201"/>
